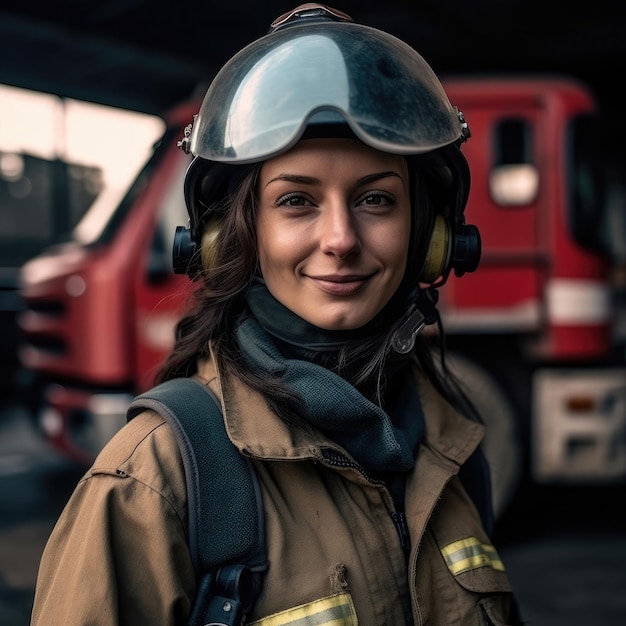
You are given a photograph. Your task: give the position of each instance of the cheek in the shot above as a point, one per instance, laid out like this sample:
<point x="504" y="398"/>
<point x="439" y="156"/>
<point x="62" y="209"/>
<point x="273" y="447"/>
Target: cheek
<point x="277" y="246"/>
<point x="262" y="234"/>
<point x="396" y="241"/>
<point x="264" y="245"/>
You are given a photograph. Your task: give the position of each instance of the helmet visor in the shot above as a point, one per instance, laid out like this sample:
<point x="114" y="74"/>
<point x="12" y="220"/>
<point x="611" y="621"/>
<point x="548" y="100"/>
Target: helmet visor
<point x="261" y="101"/>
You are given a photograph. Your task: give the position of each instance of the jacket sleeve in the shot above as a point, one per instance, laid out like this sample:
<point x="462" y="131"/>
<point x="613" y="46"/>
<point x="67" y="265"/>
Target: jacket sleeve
<point x="118" y="554"/>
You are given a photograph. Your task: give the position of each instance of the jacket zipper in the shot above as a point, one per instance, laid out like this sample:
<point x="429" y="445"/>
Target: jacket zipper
<point x="332" y="457"/>
<point x="399" y="520"/>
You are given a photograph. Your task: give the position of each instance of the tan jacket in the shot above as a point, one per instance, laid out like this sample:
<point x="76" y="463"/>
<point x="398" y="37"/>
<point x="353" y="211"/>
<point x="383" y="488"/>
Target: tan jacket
<point x="118" y="553"/>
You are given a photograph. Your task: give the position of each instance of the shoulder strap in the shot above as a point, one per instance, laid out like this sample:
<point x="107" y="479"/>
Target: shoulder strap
<point x="226" y="533"/>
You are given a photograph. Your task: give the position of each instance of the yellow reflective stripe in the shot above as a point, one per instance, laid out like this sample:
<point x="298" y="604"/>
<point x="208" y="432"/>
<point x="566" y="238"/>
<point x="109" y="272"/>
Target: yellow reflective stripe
<point x="335" y="610"/>
<point x="470" y="553"/>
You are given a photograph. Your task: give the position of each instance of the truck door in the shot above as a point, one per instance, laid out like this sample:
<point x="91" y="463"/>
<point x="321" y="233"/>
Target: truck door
<point x="504" y="155"/>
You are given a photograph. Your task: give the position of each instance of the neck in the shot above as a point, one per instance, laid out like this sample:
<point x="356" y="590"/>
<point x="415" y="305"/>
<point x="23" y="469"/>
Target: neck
<point x="357" y="355"/>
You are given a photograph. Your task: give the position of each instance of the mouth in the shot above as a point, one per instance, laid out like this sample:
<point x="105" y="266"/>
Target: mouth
<point x="340" y="285"/>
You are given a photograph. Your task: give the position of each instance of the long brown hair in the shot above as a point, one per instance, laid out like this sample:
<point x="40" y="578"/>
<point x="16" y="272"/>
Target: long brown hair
<point x="219" y="298"/>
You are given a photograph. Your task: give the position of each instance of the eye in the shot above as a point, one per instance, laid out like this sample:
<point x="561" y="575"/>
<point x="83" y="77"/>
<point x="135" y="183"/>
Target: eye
<point x="377" y="198"/>
<point x="294" y="199"/>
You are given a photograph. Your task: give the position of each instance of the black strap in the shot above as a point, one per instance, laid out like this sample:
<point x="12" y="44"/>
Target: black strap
<point x="226" y="532"/>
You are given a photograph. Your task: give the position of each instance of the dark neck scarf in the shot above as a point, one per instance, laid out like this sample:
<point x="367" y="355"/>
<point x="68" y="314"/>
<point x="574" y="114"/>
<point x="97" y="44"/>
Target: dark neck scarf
<point x="279" y="342"/>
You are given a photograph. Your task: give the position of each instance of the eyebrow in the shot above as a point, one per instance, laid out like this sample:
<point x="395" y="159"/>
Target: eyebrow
<point x="310" y="180"/>
<point x="295" y="178"/>
<point x="370" y="178"/>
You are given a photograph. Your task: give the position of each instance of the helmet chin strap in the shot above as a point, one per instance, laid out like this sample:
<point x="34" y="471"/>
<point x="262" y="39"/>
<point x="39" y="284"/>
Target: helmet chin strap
<point x="421" y="313"/>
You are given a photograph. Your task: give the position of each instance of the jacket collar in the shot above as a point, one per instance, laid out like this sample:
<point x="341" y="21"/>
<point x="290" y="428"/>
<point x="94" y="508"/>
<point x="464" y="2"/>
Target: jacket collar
<point x="258" y="432"/>
<point x="447" y="431"/>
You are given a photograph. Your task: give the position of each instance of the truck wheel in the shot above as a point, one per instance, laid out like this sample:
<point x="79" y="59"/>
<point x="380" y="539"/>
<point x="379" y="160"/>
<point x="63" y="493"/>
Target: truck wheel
<point x="502" y="443"/>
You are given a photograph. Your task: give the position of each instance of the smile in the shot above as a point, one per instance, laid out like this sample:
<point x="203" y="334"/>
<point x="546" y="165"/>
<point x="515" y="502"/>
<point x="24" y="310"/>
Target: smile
<point x="340" y="285"/>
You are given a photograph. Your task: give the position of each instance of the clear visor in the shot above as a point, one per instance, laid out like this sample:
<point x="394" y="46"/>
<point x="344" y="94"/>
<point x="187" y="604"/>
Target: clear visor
<point x="261" y="101"/>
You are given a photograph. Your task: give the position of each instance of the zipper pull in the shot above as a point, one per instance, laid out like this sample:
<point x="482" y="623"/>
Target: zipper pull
<point x="399" y="521"/>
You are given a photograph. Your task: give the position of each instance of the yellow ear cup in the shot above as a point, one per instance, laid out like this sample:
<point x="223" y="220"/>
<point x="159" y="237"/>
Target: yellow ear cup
<point x="209" y="248"/>
<point x="439" y="250"/>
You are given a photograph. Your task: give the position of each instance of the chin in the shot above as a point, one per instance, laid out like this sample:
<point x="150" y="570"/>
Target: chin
<point x="338" y="316"/>
<point x="344" y="323"/>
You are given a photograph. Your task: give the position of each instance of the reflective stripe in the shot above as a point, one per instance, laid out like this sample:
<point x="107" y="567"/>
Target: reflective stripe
<point x="332" y="611"/>
<point x="469" y="553"/>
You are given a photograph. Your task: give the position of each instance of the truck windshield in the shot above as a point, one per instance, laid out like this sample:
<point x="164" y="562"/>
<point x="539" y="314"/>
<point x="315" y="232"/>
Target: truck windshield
<point x="100" y="223"/>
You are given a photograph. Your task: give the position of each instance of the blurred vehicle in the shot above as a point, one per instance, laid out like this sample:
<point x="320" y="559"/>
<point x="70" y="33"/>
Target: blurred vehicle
<point x="531" y="332"/>
<point x="41" y="199"/>
<point x="534" y="331"/>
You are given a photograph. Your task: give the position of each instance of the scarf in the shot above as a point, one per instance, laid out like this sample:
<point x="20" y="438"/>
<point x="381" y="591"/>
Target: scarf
<point x="375" y="440"/>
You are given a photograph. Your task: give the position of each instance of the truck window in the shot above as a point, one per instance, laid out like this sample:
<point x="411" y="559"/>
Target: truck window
<point x="513" y="179"/>
<point x="102" y="221"/>
<point x="587" y="214"/>
<point x="513" y="142"/>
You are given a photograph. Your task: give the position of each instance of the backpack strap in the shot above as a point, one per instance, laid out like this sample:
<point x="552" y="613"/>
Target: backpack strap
<point x="226" y="533"/>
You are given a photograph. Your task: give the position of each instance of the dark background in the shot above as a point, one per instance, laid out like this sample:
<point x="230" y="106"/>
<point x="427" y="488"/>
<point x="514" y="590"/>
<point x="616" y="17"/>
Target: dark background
<point x="147" y="55"/>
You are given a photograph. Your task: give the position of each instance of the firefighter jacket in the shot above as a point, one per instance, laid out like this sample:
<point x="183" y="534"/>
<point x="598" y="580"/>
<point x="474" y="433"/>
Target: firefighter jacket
<point x="118" y="553"/>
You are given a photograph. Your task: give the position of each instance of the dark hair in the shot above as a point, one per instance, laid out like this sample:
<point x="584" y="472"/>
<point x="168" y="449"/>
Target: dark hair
<point x="219" y="299"/>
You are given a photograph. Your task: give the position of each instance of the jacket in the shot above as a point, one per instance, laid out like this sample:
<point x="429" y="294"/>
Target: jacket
<point x="118" y="553"/>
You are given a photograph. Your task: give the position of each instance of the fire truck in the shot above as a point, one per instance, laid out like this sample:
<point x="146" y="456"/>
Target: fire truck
<point x="531" y="334"/>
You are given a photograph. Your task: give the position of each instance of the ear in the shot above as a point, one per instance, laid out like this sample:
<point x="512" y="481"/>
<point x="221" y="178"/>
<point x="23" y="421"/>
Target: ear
<point x="439" y="251"/>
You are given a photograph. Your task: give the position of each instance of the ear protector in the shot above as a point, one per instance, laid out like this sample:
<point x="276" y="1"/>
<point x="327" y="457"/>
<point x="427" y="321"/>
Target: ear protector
<point x="453" y="244"/>
<point x="437" y="256"/>
<point x="207" y="186"/>
<point x="447" y="249"/>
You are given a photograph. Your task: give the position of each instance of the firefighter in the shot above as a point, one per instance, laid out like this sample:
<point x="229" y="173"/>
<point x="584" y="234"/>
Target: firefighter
<point x="326" y="201"/>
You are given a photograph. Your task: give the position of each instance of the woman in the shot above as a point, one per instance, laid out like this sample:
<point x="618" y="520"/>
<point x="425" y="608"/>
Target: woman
<point x="326" y="201"/>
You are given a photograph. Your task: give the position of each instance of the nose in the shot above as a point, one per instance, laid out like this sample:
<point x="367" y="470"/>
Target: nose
<point x="339" y="233"/>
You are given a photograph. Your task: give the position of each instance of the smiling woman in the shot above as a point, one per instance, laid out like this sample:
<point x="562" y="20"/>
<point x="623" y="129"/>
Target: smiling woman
<point x="323" y="216"/>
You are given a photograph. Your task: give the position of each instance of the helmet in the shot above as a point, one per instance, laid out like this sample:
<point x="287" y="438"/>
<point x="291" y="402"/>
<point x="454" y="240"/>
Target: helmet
<point x="317" y="68"/>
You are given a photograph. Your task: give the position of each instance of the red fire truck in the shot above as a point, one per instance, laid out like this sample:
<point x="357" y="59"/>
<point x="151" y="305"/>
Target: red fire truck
<point x="531" y="332"/>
